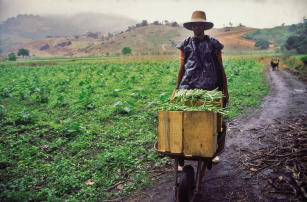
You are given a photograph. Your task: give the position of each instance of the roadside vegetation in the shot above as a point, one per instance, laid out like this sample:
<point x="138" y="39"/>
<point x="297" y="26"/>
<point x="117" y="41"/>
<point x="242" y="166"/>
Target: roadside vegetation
<point x="84" y="130"/>
<point x="296" y="65"/>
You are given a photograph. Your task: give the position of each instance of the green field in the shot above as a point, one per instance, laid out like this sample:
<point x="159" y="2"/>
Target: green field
<point x="71" y="130"/>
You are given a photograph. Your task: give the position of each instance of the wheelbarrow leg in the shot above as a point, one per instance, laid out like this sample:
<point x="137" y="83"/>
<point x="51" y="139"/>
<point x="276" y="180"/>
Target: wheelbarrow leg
<point x="176" y="179"/>
<point x="201" y="167"/>
<point x="203" y="170"/>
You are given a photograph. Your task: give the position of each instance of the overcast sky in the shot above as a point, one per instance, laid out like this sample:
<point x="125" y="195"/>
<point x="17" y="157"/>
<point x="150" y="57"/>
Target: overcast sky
<point x="252" y="13"/>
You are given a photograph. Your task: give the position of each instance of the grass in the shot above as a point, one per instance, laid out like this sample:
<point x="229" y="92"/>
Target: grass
<point x="252" y="52"/>
<point x="71" y="130"/>
<point x="246" y="84"/>
<point x="295" y="65"/>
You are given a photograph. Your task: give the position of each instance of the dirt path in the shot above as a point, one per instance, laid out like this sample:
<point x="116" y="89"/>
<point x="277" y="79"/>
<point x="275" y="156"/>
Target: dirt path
<point x="226" y="181"/>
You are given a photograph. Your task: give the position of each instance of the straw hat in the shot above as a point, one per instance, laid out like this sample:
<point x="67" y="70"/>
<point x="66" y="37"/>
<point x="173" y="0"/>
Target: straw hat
<point x="198" y="17"/>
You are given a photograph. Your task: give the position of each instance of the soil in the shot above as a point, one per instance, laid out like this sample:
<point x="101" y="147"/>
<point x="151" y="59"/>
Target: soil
<point x="227" y="180"/>
<point x="235" y="40"/>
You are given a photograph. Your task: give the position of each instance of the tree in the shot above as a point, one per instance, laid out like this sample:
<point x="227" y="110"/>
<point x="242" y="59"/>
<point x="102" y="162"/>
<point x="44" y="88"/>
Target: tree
<point x="174" y="24"/>
<point x="144" y="23"/>
<point x="292" y="28"/>
<point x="298" y="41"/>
<point x="291" y="42"/>
<point x="12" y="57"/>
<point x="156" y="22"/>
<point x="126" y="50"/>
<point x="130" y="28"/>
<point x="23" y="52"/>
<point x="263" y="44"/>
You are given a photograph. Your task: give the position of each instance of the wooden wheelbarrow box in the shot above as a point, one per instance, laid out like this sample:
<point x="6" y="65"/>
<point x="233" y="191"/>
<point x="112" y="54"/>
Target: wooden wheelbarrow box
<point x="192" y="133"/>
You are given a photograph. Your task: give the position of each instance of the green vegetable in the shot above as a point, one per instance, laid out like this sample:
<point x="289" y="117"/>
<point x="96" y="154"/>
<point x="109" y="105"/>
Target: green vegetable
<point x="183" y="95"/>
<point x="186" y="100"/>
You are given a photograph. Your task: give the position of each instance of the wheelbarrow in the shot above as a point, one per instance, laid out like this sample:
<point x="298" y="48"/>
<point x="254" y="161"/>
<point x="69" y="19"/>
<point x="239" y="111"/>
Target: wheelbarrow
<point x="189" y="135"/>
<point x="189" y="185"/>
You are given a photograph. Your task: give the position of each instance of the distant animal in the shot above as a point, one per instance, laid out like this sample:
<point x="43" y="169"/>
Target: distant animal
<point x="274" y="64"/>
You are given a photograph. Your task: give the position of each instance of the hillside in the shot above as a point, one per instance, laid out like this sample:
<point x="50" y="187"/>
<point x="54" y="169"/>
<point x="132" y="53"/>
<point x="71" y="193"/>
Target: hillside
<point x="277" y="35"/>
<point x="147" y="40"/>
<point x="161" y="39"/>
<point x="234" y="40"/>
<point x="24" y="28"/>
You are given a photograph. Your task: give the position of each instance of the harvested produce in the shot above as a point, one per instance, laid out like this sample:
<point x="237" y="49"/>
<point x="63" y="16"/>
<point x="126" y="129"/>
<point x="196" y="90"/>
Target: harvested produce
<point x="183" y="95"/>
<point x="195" y="100"/>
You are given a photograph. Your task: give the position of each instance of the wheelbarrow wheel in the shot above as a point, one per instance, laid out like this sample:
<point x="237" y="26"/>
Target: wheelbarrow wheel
<point x="186" y="185"/>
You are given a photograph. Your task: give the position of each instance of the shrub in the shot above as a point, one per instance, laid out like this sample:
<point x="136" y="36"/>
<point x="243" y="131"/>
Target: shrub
<point x="304" y="59"/>
<point x="126" y="50"/>
<point x="12" y="57"/>
<point x="263" y="44"/>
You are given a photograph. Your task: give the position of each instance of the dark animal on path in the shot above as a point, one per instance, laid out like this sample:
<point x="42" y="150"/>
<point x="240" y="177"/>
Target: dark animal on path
<point x="274" y="64"/>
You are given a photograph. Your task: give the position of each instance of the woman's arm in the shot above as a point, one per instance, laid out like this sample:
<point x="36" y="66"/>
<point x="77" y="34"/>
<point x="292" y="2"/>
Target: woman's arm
<point x="181" y="68"/>
<point x="225" y="87"/>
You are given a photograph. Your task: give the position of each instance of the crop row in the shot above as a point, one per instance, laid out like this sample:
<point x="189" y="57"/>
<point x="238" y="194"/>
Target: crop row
<point x="71" y="131"/>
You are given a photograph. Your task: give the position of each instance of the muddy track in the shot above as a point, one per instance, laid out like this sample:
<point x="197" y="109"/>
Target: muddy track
<point x="226" y="181"/>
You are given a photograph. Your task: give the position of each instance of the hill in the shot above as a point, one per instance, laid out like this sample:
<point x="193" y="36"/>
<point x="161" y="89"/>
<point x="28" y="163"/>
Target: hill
<point x="161" y="39"/>
<point x="233" y="39"/>
<point x="145" y="40"/>
<point x="276" y="36"/>
<point x="24" y="28"/>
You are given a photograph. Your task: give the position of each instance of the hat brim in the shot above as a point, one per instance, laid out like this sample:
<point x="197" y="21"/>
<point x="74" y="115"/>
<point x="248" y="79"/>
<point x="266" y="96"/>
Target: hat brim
<point x="207" y="25"/>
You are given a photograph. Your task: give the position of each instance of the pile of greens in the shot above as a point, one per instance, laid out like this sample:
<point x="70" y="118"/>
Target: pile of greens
<point x="182" y="97"/>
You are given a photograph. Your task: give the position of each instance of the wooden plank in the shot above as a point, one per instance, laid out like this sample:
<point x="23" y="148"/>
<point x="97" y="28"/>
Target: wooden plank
<point x="200" y="137"/>
<point x="162" y="131"/>
<point x="175" y="132"/>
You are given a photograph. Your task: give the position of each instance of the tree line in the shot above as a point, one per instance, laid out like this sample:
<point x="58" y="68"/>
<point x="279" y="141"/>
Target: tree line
<point x="145" y="23"/>
<point x="21" y="52"/>
<point x="298" y="41"/>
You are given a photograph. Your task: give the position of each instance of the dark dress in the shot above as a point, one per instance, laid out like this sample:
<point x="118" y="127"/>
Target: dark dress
<point x="201" y="69"/>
